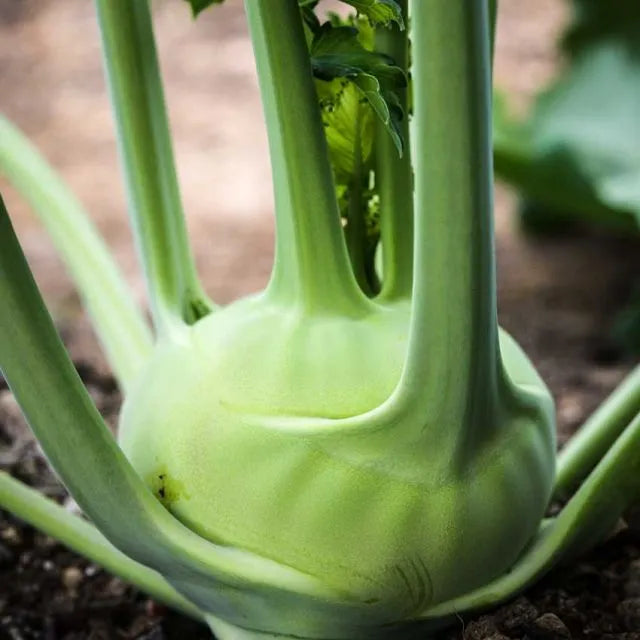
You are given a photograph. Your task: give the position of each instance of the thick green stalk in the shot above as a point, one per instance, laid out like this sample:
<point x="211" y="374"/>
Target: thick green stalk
<point x="453" y="343"/>
<point x="312" y="266"/>
<point x="83" y="538"/>
<point x="116" y="318"/>
<point x="581" y="454"/>
<point x="394" y="178"/>
<point x="145" y="148"/>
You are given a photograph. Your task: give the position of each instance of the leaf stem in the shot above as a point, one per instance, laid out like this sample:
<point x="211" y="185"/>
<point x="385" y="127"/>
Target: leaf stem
<point x="145" y="147"/>
<point x="453" y="342"/>
<point x="116" y="318"/>
<point x="83" y="538"/>
<point x="312" y="267"/>
<point x="583" y="451"/>
<point x="394" y="176"/>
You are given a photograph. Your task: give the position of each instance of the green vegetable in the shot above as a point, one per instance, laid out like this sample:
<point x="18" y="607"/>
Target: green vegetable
<point x="336" y="52"/>
<point x="336" y="457"/>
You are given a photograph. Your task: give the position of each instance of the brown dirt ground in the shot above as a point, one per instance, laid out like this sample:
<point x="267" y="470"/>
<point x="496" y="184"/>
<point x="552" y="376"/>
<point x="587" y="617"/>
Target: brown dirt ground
<point x="556" y="296"/>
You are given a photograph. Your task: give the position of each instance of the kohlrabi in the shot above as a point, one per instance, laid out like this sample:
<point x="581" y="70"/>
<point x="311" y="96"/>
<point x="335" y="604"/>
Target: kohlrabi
<point x="358" y="451"/>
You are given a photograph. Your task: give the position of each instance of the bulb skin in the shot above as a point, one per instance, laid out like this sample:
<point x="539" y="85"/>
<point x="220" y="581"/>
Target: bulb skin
<point x="389" y="519"/>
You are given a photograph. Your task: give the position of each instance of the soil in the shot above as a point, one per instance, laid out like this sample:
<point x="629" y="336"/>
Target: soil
<point x="557" y="296"/>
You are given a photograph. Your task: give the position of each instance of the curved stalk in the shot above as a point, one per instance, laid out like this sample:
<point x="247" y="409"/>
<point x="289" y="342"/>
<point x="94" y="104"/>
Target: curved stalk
<point x="453" y="343"/>
<point x="394" y="176"/>
<point x="599" y="432"/>
<point x="116" y="319"/>
<point x="312" y="267"/>
<point x="83" y="538"/>
<point x="145" y="147"/>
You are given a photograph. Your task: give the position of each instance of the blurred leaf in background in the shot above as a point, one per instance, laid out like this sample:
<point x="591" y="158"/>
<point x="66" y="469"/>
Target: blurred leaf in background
<point x="576" y="160"/>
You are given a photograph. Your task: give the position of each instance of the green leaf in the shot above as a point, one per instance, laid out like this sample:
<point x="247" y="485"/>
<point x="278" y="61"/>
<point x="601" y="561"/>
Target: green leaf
<point x="579" y="155"/>
<point x="380" y="12"/>
<point x="593" y="113"/>
<point x="366" y="30"/>
<point x="336" y="52"/>
<point x="197" y="6"/>
<point x="580" y="152"/>
<point x="310" y="20"/>
<point x="348" y="122"/>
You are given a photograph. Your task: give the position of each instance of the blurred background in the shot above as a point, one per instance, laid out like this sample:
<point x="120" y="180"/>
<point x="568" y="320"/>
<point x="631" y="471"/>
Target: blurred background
<point x="559" y="292"/>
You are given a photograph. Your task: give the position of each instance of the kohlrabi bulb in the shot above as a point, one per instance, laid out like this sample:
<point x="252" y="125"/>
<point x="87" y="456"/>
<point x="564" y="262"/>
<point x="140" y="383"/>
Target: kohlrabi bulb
<point x="396" y="517"/>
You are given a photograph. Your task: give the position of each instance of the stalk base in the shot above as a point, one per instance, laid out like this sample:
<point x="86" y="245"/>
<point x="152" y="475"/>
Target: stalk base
<point x="225" y="631"/>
